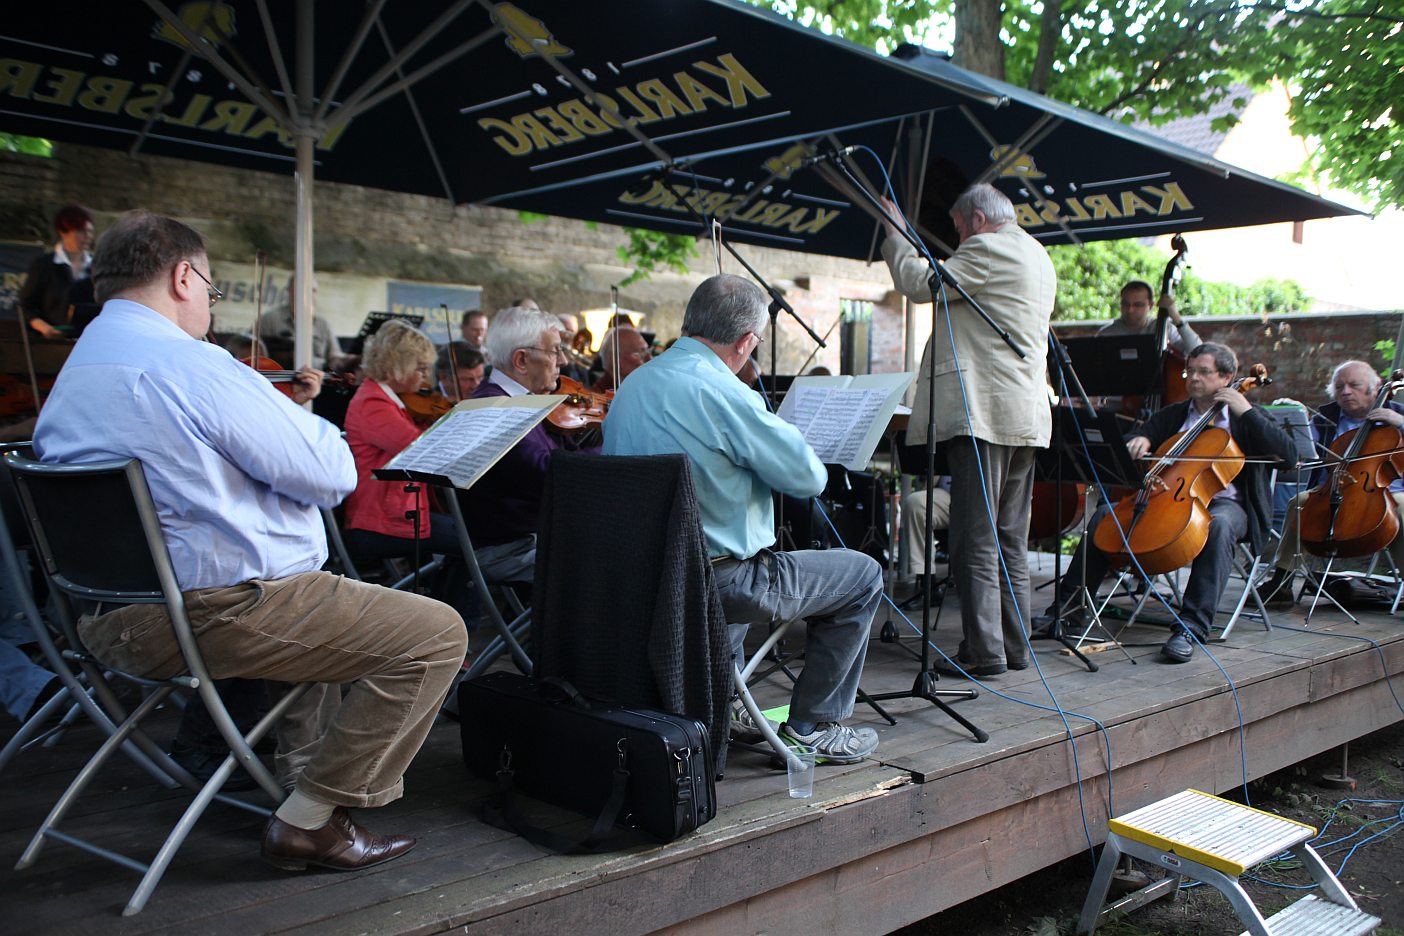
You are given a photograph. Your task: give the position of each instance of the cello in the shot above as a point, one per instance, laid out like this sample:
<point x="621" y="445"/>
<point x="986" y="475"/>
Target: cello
<point x="1166" y="521"/>
<point x="1352" y="512"/>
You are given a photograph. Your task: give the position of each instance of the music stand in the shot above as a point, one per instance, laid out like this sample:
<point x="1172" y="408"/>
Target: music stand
<point x="372" y="325"/>
<point x="1087" y="448"/>
<point x="1114" y="365"/>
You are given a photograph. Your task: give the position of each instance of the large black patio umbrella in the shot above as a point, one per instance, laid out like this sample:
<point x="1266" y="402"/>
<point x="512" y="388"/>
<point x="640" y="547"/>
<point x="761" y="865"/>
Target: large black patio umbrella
<point x="466" y="99"/>
<point x="1073" y="176"/>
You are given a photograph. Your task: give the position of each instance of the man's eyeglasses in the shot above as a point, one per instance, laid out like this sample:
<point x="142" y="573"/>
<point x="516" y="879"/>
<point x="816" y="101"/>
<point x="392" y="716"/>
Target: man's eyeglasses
<point x="556" y="352"/>
<point x="211" y="288"/>
<point x="1198" y="372"/>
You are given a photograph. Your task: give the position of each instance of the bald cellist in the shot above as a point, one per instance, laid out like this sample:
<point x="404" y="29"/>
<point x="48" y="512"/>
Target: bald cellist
<point x="1242" y="509"/>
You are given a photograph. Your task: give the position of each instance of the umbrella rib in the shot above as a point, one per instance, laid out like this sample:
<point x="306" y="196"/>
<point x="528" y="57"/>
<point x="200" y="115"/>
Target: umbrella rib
<point x="418" y="118"/>
<point x="353" y="49"/>
<point x="276" y="52"/>
<point x="207" y="50"/>
<point x="353" y="103"/>
<point x="350" y="111"/>
<point x="1037" y="132"/>
<point x="170" y="87"/>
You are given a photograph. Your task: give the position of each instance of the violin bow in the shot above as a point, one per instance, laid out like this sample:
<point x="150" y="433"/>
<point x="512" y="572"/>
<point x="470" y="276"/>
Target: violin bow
<point x="453" y="358"/>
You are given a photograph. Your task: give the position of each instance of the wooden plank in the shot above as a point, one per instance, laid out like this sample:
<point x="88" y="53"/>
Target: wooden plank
<point x="869" y="855"/>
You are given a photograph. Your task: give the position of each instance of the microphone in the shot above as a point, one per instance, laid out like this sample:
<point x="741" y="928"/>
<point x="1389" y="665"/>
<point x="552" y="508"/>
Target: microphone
<point x="823" y="157"/>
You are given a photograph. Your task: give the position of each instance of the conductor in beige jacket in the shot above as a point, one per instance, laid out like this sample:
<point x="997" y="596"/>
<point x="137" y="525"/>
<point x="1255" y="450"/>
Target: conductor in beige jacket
<point x="992" y="412"/>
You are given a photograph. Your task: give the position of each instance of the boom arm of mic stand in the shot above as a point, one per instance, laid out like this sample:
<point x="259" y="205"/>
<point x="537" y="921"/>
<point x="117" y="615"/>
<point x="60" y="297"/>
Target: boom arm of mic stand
<point x="939" y="273"/>
<point x="777" y="301"/>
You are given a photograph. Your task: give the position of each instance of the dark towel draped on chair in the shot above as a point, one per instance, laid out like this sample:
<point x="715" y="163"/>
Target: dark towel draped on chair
<point x="624" y="603"/>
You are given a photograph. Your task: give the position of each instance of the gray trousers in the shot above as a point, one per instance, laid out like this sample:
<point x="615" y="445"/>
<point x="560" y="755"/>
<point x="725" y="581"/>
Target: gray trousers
<point x="836" y="592"/>
<point x="1228" y="523"/>
<point x="993" y="621"/>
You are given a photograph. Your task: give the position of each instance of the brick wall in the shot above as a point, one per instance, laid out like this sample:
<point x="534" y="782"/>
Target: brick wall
<point x="1299" y="350"/>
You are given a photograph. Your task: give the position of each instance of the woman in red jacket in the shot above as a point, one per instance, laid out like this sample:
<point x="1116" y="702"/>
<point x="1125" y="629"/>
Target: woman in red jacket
<point x="398" y="359"/>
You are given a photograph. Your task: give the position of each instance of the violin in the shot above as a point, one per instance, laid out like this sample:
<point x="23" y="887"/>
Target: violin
<point x="282" y="378"/>
<point x="581" y="409"/>
<point x="1166" y="521"/>
<point x="425" y="405"/>
<point x="1352" y="513"/>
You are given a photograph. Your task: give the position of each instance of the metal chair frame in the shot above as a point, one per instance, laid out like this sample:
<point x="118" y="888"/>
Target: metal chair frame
<point x="119" y="480"/>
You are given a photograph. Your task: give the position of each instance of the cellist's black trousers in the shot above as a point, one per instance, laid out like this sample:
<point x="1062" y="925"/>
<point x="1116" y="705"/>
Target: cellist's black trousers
<point x="1210" y="570"/>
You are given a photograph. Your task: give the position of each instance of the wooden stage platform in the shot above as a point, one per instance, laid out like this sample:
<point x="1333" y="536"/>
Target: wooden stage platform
<point x="935" y="820"/>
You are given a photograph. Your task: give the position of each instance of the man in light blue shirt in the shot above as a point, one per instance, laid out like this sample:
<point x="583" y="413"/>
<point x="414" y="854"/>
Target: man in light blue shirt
<point x="238" y="472"/>
<point x="689" y="401"/>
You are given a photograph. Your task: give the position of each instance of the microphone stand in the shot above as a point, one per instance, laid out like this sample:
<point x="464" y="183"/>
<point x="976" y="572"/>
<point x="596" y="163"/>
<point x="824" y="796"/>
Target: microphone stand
<point x="1086" y="601"/>
<point x="924" y="686"/>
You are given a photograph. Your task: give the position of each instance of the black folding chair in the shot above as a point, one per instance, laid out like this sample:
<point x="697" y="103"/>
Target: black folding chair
<point x="85" y="690"/>
<point x="98" y="537"/>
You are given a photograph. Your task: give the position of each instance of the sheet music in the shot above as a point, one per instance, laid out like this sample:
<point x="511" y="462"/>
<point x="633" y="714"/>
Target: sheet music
<point x="470" y="439"/>
<point x="842" y="418"/>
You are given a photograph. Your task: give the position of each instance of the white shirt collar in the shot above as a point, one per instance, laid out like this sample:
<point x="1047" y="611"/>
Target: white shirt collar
<point x="61" y="256"/>
<point x="507" y="383"/>
<point x="391" y="394"/>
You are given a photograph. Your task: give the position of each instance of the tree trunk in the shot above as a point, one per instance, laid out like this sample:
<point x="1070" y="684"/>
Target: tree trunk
<point x="1049" y="31"/>
<point x="977" y="43"/>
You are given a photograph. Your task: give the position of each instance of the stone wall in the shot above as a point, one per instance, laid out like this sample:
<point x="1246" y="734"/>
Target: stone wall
<point x="362" y="234"/>
<point x="565" y="265"/>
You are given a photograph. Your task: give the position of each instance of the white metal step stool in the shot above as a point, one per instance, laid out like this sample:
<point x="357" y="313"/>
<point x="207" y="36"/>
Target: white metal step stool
<point x="1213" y="840"/>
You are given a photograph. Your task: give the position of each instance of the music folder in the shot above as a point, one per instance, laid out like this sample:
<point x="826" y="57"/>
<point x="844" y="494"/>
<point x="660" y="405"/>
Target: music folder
<point x="465" y="442"/>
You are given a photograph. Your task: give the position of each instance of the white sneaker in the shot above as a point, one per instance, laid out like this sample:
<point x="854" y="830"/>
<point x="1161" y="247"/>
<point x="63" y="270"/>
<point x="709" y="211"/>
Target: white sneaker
<point x="836" y="743"/>
<point x="743" y="726"/>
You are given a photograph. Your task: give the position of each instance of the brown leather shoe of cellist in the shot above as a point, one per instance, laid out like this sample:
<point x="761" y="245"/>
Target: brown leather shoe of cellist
<point x="339" y="845"/>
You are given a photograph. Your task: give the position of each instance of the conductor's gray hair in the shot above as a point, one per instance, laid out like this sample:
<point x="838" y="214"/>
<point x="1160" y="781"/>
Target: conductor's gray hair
<point x="986" y="199"/>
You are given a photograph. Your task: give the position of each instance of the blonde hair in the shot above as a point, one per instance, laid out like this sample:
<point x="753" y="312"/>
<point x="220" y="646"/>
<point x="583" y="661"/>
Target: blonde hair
<point x="396" y="351"/>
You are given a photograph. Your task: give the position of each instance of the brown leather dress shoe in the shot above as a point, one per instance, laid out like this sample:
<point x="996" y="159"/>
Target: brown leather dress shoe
<point x="339" y="845"/>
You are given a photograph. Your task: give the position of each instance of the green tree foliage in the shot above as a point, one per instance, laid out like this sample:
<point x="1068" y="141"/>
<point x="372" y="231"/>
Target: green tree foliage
<point x="14" y="143"/>
<point x="1090" y="278"/>
<point x="1343" y="61"/>
<point x="648" y="250"/>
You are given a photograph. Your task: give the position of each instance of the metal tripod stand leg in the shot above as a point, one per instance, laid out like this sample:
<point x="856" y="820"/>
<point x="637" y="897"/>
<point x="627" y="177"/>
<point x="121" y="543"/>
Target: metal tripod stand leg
<point x="1322" y="592"/>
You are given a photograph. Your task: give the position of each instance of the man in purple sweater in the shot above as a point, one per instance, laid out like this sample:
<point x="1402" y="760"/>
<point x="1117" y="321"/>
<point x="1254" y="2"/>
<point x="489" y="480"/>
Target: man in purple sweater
<point x="501" y="509"/>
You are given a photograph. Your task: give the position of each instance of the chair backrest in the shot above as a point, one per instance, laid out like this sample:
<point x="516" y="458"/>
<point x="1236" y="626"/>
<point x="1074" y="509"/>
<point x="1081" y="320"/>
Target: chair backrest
<point x="95" y="528"/>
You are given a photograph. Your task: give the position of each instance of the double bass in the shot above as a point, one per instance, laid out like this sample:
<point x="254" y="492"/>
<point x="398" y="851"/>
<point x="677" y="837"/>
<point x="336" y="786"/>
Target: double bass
<point x="1352" y="512"/>
<point x="1166" y="521"/>
<point x="1168" y="385"/>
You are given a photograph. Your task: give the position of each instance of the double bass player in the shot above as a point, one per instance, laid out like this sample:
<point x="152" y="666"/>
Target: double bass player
<point x="1242" y="509"/>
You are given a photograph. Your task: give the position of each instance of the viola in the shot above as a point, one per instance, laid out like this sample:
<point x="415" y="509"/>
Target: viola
<point x="1166" y="521"/>
<point x="425" y="405"/>
<point x="582" y="408"/>
<point x="1352" y="513"/>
